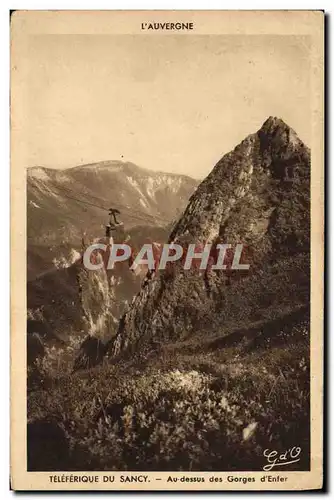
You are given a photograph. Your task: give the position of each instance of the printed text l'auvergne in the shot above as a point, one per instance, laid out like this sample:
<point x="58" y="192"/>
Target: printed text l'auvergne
<point x="178" y="26"/>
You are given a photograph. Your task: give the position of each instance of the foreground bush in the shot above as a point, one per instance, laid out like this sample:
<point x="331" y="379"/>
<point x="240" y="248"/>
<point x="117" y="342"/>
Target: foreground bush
<point x="215" y="411"/>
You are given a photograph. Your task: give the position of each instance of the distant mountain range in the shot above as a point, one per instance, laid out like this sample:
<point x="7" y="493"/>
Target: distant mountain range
<point x="63" y="205"/>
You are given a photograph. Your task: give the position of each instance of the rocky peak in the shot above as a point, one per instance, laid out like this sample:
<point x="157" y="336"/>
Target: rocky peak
<point x="258" y="195"/>
<point x="239" y="177"/>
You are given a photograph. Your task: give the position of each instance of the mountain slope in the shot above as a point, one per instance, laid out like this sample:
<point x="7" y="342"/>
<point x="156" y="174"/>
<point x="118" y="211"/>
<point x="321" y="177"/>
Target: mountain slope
<point x="209" y="370"/>
<point x="258" y="195"/>
<point x="63" y="205"/>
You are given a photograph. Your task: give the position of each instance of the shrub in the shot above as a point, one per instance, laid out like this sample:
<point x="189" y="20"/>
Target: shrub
<point x="216" y="411"/>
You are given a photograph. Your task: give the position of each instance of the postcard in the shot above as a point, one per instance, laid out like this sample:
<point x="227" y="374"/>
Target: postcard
<point x="167" y="250"/>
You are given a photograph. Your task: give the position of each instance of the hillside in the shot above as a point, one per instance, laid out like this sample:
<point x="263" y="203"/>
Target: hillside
<point x="66" y="206"/>
<point x="257" y="195"/>
<point x="205" y="370"/>
<point x="73" y="303"/>
<point x="63" y="205"/>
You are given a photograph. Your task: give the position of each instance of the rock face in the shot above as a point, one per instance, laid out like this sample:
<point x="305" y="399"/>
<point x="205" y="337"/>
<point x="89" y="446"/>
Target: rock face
<point x="258" y="195"/>
<point x="72" y="301"/>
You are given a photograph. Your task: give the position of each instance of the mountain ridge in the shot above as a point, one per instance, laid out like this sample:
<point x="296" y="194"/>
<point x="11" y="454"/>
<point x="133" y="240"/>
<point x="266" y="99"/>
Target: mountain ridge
<point x="257" y="194"/>
<point x="64" y="205"/>
<point x="109" y="163"/>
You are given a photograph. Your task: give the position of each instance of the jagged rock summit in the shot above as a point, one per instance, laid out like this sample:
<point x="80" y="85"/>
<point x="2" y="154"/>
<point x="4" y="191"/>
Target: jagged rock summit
<point x="268" y="152"/>
<point x="258" y="195"/>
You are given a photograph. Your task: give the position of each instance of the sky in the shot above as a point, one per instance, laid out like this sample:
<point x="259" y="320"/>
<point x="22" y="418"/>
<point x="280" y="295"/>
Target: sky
<point x="173" y="103"/>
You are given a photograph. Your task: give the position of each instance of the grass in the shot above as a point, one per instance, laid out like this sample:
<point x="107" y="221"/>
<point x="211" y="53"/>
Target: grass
<point x="171" y="409"/>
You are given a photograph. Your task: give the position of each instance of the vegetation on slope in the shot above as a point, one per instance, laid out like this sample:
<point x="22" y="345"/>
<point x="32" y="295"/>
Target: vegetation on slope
<point x="173" y="408"/>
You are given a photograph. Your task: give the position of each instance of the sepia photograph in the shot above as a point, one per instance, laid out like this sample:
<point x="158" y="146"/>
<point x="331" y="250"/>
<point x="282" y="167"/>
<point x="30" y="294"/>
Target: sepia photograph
<point x="167" y="218"/>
